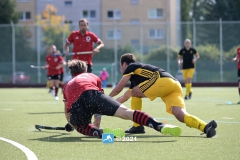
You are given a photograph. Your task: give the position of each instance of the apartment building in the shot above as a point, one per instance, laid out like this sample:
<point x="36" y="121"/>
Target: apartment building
<point x="140" y="23"/>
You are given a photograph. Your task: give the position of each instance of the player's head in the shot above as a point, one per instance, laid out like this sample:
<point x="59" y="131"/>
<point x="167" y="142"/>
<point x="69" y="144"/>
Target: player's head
<point x="125" y="60"/>
<point x="187" y="43"/>
<point x="53" y="48"/>
<point x="83" y="25"/>
<point x="77" y="66"/>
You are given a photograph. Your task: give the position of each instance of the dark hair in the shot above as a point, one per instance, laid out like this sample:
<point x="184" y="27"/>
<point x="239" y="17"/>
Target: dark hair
<point x="77" y="66"/>
<point x="128" y="58"/>
<point x="83" y="20"/>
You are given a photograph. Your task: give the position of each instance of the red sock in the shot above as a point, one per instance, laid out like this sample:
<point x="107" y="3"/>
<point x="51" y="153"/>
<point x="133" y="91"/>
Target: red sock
<point x="90" y="130"/>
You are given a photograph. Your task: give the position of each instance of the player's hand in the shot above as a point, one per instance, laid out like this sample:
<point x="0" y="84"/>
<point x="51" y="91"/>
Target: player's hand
<point x="96" y="50"/>
<point x="234" y="59"/>
<point x="68" y="128"/>
<point x="194" y="60"/>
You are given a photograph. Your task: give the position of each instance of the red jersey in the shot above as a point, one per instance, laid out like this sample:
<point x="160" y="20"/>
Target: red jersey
<point x="82" y="43"/>
<point x="53" y="61"/>
<point x="238" y="54"/>
<point x="77" y="85"/>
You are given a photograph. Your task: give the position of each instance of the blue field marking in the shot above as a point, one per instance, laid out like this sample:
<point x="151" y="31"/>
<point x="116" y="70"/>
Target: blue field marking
<point x="218" y="121"/>
<point x="107" y="138"/>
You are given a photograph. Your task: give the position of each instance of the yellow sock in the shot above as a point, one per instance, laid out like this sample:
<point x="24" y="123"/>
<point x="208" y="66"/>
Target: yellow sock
<point x="48" y="84"/>
<point x="187" y="89"/>
<point x="136" y="104"/>
<point x="195" y="122"/>
<point x="190" y="86"/>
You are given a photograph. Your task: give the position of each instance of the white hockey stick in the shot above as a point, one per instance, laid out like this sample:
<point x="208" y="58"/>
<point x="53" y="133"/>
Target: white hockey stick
<point x="32" y="66"/>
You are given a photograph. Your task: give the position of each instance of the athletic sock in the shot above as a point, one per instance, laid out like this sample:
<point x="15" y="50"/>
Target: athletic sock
<point x="51" y="88"/>
<point x="90" y="130"/>
<point x="56" y="91"/>
<point x="195" y="122"/>
<point x="190" y="87"/>
<point x="136" y="104"/>
<point x="144" y="119"/>
<point x="187" y="89"/>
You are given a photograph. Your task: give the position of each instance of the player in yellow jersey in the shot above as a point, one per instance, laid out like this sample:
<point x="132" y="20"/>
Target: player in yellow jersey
<point x="189" y="56"/>
<point x="152" y="82"/>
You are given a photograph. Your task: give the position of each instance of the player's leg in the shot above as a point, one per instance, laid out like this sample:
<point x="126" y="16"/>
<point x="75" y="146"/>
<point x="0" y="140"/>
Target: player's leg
<point x="52" y="87"/>
<point x="56" y="85"/>
<point x="184" y="73"/>
<point x="189" y="80"/>
<point x="239" y="84"/>
<point x="136" y="104"/>
<point x="61" y="83"/>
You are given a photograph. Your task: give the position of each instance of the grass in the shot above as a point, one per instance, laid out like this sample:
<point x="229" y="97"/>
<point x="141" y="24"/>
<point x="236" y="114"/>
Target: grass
<point x="21" y="109"/>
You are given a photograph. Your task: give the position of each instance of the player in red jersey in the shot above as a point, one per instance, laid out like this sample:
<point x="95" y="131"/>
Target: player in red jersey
<point x="82" y="41"/>
<point x="61" y="83"/>
<point x="53" y="63"/>
<point x="83" y="97"/>
<point x="237" y="58"/>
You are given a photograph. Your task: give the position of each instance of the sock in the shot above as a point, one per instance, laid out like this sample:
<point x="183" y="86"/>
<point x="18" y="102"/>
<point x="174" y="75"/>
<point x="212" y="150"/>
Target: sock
<point x="190" y="87"/>
<point x="136" y="104"/>
<point x="51" y="88"/>
<point x="195" y="122"/>
<point x="90" y="130"/>
<point x="144" y="119"/>
<point x="56" y="91"/>
<point x="48" y="84"/>
<point x="187" y="89"/>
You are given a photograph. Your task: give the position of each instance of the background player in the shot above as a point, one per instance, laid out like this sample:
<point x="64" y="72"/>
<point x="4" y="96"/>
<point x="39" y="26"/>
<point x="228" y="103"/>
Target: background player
<point x="152" y="82"/>
<point x="82" y="41"/>
<point x="189" y="56"/>
<point x="53" y="64"/>
<point x="61" y="83"/>
<point x="83" y="97"/>
<point x="237" y="58"/>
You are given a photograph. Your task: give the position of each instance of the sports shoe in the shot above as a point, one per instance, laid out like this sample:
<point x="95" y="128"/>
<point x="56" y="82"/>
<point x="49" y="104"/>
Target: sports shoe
<point x="210" y="129"/>
<point x="56" y="98"/>
<point x="116" y="132"/>
<point x="136" y="130"/>
<point x="167" y="129"/>
<point x="190" y="95"/>
<point x="186" y="97"/>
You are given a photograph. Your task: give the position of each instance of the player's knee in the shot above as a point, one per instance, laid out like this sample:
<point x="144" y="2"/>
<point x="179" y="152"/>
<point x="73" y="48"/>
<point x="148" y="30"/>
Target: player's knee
<point x="179" y="113"/>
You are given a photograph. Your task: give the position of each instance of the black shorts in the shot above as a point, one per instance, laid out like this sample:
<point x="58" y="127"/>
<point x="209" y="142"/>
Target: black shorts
<point x="89" y="68"/>
<point x="53" y="77"/>
<point x="61" y="77"/>
<point x="238" y="73"/>
<point x="89" y="103"/>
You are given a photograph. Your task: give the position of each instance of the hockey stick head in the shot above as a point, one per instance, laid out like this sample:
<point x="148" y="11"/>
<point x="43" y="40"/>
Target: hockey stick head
<point x="37" y="127"/>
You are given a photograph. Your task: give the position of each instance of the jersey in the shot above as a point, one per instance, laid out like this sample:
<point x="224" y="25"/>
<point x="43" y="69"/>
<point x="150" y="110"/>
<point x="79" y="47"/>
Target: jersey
<point x="188" y="56"/>
<point x="141" y="72"/>
<point x="82" y="43"/>
<point x="77" y="85"/>
<point x="53" y="61"/>
<point x="238" y="54"/>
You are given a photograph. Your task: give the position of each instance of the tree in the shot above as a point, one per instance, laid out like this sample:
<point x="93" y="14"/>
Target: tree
<point x="7" y="12"/>
<point x="52" y="26"/>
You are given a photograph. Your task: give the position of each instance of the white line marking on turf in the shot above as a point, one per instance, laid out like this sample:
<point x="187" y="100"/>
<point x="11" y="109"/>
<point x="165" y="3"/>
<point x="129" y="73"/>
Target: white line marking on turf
<point x="5" y="109"/>
<point x="30" y="155"/>
<point x="219" y="121"/>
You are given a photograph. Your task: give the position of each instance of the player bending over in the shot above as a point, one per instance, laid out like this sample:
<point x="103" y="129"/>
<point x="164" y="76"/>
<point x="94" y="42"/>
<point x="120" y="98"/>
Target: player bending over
<point x="83" y="97"/>
<point x="152" y="82"/>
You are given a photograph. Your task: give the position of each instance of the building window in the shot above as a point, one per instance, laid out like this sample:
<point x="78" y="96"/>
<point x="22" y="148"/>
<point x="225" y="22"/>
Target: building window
<point x="134" y="1"/>
<point x="68" y="3"/>
<point x="68" y="21"/>
<point x="25" y="16"/>
<point x="155" y="34"/>
<point x="114" y="14"/>
<point x="114" y="35"/>
<point x="155" y="13"/>
<point x="135" y="42"/>
<point x="89" y="14"/>
<point x="134" y="21"/>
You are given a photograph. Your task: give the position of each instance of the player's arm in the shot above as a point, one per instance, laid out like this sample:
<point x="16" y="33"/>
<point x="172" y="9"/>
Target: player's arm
<point x="120" y="86"/>
<point x="235" y="58"/>
<point x="66" y="47"/>
<point x="179" y="60"/>
<point x="99" y="43"/>
<point x="61" y="65"/>
<point x="125" y="96"/>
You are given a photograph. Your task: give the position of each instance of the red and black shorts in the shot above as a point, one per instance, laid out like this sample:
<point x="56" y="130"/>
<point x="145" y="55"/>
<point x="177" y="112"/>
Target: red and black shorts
<point x="61" y="76"/>
<point x="92" y="102"/>
<point x="238" y="74"/>
<point x="53" y="77"/>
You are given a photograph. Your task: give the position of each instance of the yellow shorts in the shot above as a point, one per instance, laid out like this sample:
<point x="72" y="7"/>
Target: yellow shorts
<point x="166" y="88"/>
<point x="188" y="73"/>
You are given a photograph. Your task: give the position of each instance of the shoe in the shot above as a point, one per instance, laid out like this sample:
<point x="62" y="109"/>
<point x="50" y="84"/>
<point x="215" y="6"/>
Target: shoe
<point x="186" y="97"/>
<point x="168" y="129"/>
<point x="116" y="132"/>
<point x="210" y="129"/>
<point x="190" y="95"/>
<point x="53" y="92"/>
<point x="136" y="130"/>
<point x="56" y="98"/>
<point x="238" y="102"/>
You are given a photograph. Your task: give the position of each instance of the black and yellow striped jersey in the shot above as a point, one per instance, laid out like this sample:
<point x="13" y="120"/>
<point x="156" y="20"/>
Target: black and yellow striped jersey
<point x="141" y="72"/>
<point x="187" y="56"/>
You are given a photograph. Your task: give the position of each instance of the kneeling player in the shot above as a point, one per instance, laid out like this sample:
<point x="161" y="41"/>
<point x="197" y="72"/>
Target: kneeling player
<point x="83" y="97"/>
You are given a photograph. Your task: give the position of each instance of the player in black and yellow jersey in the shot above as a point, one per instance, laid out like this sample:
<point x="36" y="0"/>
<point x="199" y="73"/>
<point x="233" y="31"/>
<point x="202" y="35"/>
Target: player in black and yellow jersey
<point x="189" y="56"/>
<point x="152" y="82"/>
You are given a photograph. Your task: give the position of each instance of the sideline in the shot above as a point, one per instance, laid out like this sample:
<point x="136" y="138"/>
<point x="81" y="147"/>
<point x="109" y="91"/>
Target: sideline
<point x="30" y="155"/>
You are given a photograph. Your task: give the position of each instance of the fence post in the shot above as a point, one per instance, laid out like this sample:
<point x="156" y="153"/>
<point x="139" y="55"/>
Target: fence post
<point x="38" y="54"/>
<point x="221" y="50"/>
<point x="115" y="51"/>
<point x="141" y="41"/>
<point x="13" y="53"/>
<point x="168" y="45"/>
<point x="194" y="46"/>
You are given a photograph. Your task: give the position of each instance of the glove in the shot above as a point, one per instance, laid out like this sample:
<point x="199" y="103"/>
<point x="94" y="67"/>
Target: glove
<point x="68" y="128"/>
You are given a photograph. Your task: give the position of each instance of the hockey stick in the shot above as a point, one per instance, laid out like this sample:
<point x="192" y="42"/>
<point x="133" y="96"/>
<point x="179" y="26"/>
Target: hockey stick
<point x="32" y="66"/>
<point x="78" y="53"/>
<point x="39" y="127"/>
